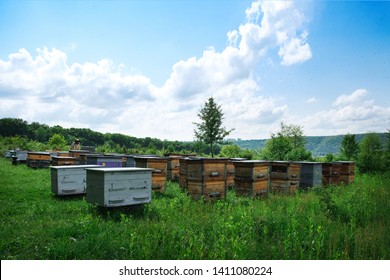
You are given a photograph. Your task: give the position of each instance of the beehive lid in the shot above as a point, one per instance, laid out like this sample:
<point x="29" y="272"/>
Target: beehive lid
<point x="63" y="157"/>
<point x="74" y="166"/>
<point x="39" y="153"/>
<point x="307" y="162"/>
<point x="120" y="169"/>
<point x="205" y="159"/>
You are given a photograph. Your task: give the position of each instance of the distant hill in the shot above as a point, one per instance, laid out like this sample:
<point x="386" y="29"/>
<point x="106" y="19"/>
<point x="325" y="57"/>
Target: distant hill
<point x="317" y="145"/>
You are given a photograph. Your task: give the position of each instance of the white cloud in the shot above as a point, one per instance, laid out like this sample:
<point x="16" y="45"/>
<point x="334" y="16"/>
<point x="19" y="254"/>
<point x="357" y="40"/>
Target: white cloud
<point x="311" y="100"/>
<point x="349" y="113"/>
<point x="103" y="96"/>
<point x="295" y="50"/>
<point x="355" y="98"/>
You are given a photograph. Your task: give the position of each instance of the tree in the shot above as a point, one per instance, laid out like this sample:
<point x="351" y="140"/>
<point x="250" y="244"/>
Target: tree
<point x="349" y="147"/>
<point x="287" y="144"/>
<point x="234" y="151"/>
<point x="13" y="127"/>
<point x="386" y="153"/>
<point x="230" y="151"/>
<point x="57" y="142"/>
<point x="210" y="130"/>
<point x="370" y="154"/>
<point x="276" y="148"/>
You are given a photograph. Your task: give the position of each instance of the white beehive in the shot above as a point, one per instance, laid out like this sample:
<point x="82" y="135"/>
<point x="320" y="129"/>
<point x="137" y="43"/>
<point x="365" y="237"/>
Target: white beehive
<point x="69" y="179"/>
<point x="110" y="187"/>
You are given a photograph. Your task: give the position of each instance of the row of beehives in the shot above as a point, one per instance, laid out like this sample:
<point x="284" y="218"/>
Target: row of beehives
<point x="107" y="184"/>
<point x="211" y="178"/>
<point x="38" y="159"/>
<point x="112" y="180"/>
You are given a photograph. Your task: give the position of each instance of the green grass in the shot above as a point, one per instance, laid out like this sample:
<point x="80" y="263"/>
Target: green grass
<point x="339" y="222"/>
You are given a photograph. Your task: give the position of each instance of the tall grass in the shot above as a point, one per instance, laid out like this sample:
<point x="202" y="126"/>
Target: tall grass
<point x="338" y="222"/>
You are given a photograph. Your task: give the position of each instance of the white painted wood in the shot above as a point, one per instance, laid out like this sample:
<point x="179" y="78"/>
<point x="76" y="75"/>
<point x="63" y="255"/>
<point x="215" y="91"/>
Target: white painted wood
<point x="110" y="187"/>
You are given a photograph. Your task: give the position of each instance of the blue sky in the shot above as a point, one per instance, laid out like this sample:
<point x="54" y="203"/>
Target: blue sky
<point x="145" y="68"/>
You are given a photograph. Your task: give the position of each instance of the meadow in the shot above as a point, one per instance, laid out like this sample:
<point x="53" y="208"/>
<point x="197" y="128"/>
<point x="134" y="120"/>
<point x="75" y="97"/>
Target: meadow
<point x="337" y="222"/>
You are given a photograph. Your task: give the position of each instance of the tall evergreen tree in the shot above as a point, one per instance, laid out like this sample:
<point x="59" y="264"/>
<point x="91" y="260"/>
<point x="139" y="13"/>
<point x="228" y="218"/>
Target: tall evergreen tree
<point x="210" y="130"/>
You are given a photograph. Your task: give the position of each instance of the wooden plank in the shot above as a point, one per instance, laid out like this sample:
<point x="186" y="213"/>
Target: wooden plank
<point x="210" y="190"/>
<point x="251" y="188"/>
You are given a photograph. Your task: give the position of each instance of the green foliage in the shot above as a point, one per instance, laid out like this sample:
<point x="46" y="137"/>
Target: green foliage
<point x="37" y="136"/>
<point x="287" y="144"/>
<point x="317" y="145"/>
<point x="386" y="152"/>
<point x="329" y="157"/>
<point x="339" y="222"/>
<point x="13" y="127"/>
<point x="58" y="142"/>
<point x="233" y="151"/>
<point x="370" y="155"/>
<point x="210" y="130"/>
<point x="349" y="147"/>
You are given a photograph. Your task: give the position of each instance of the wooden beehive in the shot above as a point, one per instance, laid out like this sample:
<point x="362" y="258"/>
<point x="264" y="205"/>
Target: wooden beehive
<point x="347" y="172"/>
<point x="206" y="177"/>
<point x="62" y="160"/>
<point x="38" y="159"/>
<point x="230" y="171"/>
<point x="310" y="174"/>
<point x="159" y="170"/>
<point x="294" y="171"/>
<point x="279" y="186"/>
<point x="173" y="167"/>
<point x="279" y="170"/>
<point x="331" y="173"/>
<point x="251" y="178"/>
<point x="183" y="173"/>
<point x="69" y="180"/>
<point x="284" y="177"/>
<point x="63" y="154"/>
<point x="129" y="160"/>
<point x="80" y="155"/>
<point x="110" y="187"/>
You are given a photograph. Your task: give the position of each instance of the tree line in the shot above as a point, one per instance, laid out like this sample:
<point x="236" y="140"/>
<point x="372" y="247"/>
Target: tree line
<point x="19" y="133"/>
<point x="371" y="153"/>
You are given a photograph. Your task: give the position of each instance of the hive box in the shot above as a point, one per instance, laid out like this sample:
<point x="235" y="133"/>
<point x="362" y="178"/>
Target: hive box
<point x="251" y="178"/>
<point x="331" y="173"/>
<point x="206" y="177"/>
<point x="230" y="171"/>
<point x="347" y="172"/>
<point x="284" y="177"/>
<point x="159" y="173"/>
<point x="183" y="173"/>
<point x="62" y="160"/>
<point x="70" y="179"/>
<point x="311" y="174"/>
<point x="173" y="169"/>
<point x="38" y="159"/>
<point x="111" y="187"/>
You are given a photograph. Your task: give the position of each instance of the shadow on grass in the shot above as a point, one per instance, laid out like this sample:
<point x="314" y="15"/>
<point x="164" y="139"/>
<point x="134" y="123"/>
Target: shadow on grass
<point x="71" y="197"/>
<point x="119" y="213"/>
